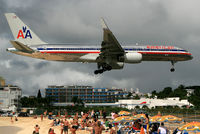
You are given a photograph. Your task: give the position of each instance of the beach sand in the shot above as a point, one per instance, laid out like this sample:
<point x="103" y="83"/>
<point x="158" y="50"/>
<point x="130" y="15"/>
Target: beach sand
<point x="9" y="129"/>
<point x="25" y="125"/>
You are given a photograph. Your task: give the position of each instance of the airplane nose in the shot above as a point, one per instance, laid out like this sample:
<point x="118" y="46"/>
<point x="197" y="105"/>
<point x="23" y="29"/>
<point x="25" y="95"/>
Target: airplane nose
<point x="190" y="56"/>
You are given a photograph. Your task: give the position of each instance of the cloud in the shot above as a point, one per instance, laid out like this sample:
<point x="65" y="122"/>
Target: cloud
<point x="79" y="22"/>
<point x="41" y="65"/>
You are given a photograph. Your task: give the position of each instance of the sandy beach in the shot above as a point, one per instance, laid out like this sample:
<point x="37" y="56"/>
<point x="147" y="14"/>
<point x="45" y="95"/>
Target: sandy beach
<point x="25" y="125"/>
<point x="9" y="129"/>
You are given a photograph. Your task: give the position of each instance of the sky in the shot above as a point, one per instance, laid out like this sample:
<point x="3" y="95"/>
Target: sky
<point x="169" y="22"/>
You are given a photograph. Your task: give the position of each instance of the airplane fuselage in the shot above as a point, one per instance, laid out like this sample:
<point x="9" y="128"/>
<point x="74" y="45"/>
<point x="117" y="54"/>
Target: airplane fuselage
<point x="67" y="53"/>
<point x="109" y="55"/>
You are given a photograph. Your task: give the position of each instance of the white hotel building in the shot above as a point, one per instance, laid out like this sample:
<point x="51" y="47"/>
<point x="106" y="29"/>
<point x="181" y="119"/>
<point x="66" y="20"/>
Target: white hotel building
<point x="9" y="98"/>
<point x="152" y="103"/>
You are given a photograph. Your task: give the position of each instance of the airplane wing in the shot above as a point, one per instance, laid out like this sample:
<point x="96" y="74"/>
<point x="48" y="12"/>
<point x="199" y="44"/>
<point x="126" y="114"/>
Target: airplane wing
<point x="110" y="46"/>
<point x="111" y="56"/>
<point x="111" y="50"/>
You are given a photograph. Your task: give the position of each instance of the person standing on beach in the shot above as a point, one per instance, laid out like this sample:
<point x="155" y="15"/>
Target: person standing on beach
<point x="104" y="114"/>
<point x="45" y="114"/>
<point x="82" y="113"/>
<point x="147" y="123"/>
<point x="115" y="115"/>
<point x="100" y="112"/>
<point x="98" y="128"/>
<point x="66" y="114"/>
<point x="37" y="128"/>
<point x="112" y="115"/>
<point x="16" y="118"/>
<point x="92" y="114"/>
<point x="41" y="117"/>
<point x="62" y="126"/>
<point x="11" y="118"/>
<point x="162" y="129"/>
<point x="65" y="126"/>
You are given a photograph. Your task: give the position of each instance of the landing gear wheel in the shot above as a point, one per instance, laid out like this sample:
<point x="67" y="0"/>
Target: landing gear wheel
<point x="101" y="71"/>
<point x="98" y="71"/>
<point x="172" y="69"/>
<point x="109" y="68"/>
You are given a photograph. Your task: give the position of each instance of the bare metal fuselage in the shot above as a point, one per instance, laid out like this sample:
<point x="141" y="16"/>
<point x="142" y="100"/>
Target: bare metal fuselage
<point x="76" y="53"/>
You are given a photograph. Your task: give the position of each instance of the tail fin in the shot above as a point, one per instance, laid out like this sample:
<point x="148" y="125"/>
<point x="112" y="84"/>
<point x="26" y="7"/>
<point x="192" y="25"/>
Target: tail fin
<point x="21" y="31"/>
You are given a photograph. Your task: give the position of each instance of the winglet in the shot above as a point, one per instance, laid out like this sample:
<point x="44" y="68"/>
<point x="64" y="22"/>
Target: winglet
<point x="103" y="24"/>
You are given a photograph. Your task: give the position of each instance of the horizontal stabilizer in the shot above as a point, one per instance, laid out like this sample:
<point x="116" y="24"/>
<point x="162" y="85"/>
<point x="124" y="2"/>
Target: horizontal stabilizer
<point x="21" y="47"/>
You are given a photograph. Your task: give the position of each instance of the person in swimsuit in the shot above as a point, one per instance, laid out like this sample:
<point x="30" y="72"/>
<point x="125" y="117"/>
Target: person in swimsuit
<point x="16" y="118"/>
<point x="37" y="128"/>
<point x="65" y="126"/>
<point x="98" y="128"/>
<point x="61" y="125"/>
<point x="41" y="116"/>
<point x="11" y="118"/>
<point x="147" y="123"/>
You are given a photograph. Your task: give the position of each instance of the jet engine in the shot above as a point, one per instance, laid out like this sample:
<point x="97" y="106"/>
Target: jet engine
<point x="132" y="57"/>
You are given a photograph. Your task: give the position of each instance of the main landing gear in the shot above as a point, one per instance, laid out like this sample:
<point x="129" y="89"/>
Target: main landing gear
<point x="172" y="69"/>
<point x="102" y="68"/>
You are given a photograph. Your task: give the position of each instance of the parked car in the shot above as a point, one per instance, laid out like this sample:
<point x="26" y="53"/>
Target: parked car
<point x="23" y="114"/>
<point x="3" y="114"/>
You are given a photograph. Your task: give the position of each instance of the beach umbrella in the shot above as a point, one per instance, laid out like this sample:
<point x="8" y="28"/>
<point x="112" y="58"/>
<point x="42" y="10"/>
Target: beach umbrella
<point x="119" y="119"/>
<point x="129" y="118"/>
<point x="124" y="113"/>
<point x="190" y="127"/>
<point x="155" y="118"/>
<point x="170" y="118"/>
<point x="123" y="119"/>
<point x="139" y="116"/>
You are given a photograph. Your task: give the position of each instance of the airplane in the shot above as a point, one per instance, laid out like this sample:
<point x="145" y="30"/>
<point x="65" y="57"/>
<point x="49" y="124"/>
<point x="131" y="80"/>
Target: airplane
<point x="111" y="55"/>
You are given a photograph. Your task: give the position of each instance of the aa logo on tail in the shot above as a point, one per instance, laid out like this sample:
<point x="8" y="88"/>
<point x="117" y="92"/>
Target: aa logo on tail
<point x="24" y="33"/>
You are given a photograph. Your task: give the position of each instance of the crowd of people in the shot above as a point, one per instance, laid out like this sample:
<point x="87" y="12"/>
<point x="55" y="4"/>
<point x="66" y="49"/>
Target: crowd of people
<point x="96" y="123"/>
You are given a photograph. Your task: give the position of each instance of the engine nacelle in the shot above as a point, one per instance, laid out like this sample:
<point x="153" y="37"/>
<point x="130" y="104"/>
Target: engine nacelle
<point x="132" y="57"/>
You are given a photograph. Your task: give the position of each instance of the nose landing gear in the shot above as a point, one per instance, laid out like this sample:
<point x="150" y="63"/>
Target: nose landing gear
<point x="172" y="69"/>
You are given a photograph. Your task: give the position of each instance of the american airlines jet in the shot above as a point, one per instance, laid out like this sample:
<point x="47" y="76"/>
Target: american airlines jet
<point x="110" y="55"/>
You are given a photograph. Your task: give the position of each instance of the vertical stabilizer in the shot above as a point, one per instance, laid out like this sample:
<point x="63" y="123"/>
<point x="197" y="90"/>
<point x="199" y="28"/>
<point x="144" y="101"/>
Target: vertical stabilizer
<point x="21" y="31"/>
